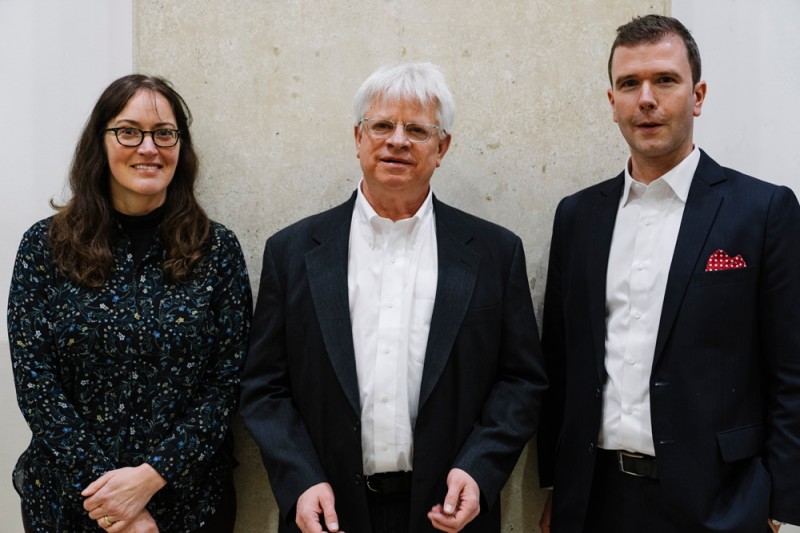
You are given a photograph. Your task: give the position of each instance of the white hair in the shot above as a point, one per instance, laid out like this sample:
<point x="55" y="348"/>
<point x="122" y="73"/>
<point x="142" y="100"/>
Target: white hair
<point x="416" y="82"/>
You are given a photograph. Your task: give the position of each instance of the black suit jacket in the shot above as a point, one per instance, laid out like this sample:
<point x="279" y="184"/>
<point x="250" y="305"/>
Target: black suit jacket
<point x="482" y="378"/>
<point x="725" y="383"/>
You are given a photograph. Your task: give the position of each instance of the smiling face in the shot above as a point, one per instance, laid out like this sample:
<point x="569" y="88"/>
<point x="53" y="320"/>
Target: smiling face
<point x="397" y="172"/>
<point x="654" y="102"/>
<point x="140" y="175"/>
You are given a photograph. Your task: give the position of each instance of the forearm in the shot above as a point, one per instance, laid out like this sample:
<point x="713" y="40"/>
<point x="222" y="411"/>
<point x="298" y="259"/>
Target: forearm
<point x="510" y="413"/>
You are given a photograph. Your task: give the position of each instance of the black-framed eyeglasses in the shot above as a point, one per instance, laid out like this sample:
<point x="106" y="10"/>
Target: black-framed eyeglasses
<point x="383" y="128"/>
<point x="132" y="137"/>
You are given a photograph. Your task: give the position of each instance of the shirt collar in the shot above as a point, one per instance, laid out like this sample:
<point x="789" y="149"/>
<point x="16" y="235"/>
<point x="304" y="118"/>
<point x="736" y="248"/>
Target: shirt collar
<point x="376" y="229"/>
<point x="679" y="178"/>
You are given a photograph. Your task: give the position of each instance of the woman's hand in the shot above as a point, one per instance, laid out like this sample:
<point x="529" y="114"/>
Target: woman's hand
<point x="142" y="523"/>
<point x="118" y="497"/>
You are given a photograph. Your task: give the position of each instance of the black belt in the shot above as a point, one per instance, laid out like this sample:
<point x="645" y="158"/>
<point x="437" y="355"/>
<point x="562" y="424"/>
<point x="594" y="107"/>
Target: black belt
<point x="636" y="464"/>
<point x="389" y="482"/>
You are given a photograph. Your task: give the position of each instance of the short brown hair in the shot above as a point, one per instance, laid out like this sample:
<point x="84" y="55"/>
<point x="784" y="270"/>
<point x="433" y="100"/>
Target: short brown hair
<point x="650" y="29"/>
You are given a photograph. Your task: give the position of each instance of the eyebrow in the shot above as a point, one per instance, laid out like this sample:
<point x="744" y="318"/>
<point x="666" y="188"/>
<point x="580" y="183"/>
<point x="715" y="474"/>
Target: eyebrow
<point x="134" y="123"/>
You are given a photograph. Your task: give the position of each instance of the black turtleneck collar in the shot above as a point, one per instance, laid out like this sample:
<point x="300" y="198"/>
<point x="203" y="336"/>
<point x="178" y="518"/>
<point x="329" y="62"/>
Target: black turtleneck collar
<point x="141" y="230"/>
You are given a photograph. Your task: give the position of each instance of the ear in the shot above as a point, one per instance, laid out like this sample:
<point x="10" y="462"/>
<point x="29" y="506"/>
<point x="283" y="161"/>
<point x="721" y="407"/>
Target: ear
<point x="611" y="102"/>
<point x="357" y="135"/>
<point x="444" y="145"/>
<point x="700" y="89"/>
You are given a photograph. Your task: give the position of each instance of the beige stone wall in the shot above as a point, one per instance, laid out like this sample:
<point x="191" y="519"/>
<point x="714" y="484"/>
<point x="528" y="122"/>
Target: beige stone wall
<point x="270" y="84"/>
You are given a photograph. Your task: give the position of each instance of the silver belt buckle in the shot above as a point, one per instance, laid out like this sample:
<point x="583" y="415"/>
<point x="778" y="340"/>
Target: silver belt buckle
<point x="621" y="454"/>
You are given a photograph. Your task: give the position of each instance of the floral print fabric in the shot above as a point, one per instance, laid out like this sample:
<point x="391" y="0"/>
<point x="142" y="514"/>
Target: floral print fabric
<point x="139" y="370"/>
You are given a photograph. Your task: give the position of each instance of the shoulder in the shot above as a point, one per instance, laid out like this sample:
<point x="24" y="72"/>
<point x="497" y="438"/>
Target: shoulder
<point x="489" y="240"/>
<point x="221" y="236"/>
<point x="319" y="224"/>
<point x="740" y="187"/>
<point x="39" y="229"/>
<point x="589" y="196"/>
<point x="34" y="261"/>
<point x="222" y="241"/>
<point x="456" y="220"/>
<point x="35" y="238"/>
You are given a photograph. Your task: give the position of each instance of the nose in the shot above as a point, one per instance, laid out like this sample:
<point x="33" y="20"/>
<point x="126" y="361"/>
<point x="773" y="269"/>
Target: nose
<point x="398" y="136"/>
<point x="148" y="146"/>
<point x="647" y="100"/>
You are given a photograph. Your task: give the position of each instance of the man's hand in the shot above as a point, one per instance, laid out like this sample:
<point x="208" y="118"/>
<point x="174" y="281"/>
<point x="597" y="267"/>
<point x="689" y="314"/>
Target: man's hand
<point x="117" y="497"/>
<point x="316" y="501"/>
<point x="461" y="505"/>
<point x="547" y="512"/>
<point x="773" y="527"/>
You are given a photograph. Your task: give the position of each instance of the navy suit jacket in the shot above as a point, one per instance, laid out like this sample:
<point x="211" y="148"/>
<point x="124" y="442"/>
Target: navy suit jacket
<point x="482" y="380"/>
<point x="725" y="383"/>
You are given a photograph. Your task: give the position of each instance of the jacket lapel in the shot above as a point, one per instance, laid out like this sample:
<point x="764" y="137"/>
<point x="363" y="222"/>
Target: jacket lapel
<point x="702" y="206"/>
<point x="327" y="277"/>
<point x="458" y="271"/>
<point x="603" y="217"/>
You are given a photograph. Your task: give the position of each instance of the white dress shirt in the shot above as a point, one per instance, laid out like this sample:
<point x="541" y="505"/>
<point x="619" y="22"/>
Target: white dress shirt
<point x="392" y="274"/>
<point x="645" y="233"/>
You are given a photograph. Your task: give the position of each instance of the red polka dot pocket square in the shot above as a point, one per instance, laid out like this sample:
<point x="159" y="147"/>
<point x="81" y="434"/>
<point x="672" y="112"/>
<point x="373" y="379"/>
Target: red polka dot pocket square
<point x="720" y="260"/>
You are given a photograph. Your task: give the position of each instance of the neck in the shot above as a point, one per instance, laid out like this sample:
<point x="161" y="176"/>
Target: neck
<point x="648" y="170"/>
<point x="138" y="207"/>
<point x="394" y="206"/>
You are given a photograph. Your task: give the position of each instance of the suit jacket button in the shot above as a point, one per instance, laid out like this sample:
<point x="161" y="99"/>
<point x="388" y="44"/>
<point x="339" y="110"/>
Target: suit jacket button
<point x="598" y="393"/>
<point x="591" y="447"/>
<point x="357" y="479"/>
<point x="357" y="426"/>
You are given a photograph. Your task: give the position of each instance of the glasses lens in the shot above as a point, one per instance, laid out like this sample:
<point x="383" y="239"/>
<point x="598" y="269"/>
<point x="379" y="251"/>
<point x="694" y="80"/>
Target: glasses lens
<point x="165" y="137"/>
<point x="380" y="128"/>
<point x="418" y="132"/>
<point x="129" y="136"/>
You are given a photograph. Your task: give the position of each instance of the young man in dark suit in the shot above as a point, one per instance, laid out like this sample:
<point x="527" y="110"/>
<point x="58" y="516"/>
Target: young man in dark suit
<point x="394" y="372"/>
<point x="671" y="324"/>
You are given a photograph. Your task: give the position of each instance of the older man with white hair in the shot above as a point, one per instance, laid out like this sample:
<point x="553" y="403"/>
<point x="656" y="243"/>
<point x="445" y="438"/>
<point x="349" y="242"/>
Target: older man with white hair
<point x="394" y="372"/>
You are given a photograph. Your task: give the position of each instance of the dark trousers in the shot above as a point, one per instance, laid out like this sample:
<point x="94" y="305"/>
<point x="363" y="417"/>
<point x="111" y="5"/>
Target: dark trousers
<point x="389" y="513"/>
<point x="622" y="503"/>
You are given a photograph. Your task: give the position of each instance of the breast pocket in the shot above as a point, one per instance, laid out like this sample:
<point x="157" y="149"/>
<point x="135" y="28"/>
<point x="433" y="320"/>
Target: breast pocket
<point x="729" y="277"/>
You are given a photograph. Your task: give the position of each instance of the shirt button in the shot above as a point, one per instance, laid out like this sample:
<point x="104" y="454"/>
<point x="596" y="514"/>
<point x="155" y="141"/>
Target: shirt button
<point x="385" y="447"/>
<point x="393" y="260"/>
<point x="384" y="398"/>
<point x="357" y="479"/>
<point x="386" y="350"/>
<point x="629" y="410"/>
<point x="390" y="306"/>
<point x="637" y="316"/>
<point x="630" y="361"/>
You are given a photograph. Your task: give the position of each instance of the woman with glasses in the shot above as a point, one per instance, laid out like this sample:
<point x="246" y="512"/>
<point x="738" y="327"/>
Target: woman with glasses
<point x="128" y="318"/>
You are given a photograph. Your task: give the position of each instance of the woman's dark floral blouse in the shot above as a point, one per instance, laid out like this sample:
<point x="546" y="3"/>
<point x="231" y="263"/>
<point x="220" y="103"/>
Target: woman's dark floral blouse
<point x="139" y="370"/>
